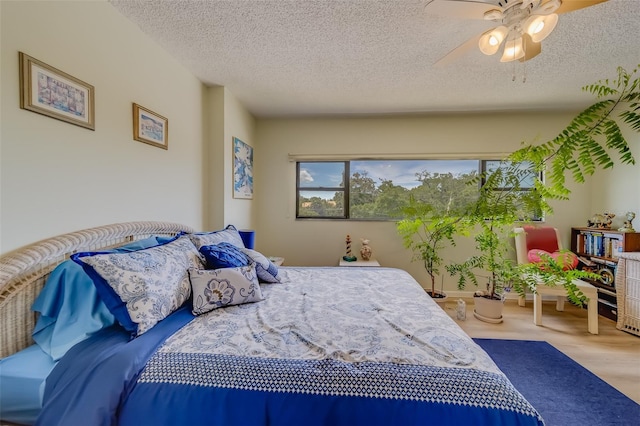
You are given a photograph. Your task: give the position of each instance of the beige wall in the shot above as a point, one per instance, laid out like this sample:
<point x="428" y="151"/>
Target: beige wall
<point x="57" y="177"/>
<point x="618" y="189"/>
<point x="322" y="242"/>
<point x="228" y="118"/>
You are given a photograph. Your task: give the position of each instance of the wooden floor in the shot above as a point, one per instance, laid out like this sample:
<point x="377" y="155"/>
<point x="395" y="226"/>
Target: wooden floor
<point x="612" y="355"/>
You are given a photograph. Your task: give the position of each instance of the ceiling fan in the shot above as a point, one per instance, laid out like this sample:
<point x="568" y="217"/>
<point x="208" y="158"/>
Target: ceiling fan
<point x="522" y="24"/>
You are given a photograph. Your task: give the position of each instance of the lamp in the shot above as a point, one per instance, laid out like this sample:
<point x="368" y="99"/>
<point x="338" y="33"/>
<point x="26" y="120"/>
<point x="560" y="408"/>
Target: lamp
<point x="540" y="26"/>
<point x="248" y="237"/>
<point x="491" y="40"/>
<point x="533" y="19"/>
<point x="512" y="50"/>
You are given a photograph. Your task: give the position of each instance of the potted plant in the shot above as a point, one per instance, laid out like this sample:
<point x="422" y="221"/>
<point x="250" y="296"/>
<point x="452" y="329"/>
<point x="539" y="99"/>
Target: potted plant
<point x="582" y="147"/>
<point x="502" y="201"/>
<point x="425" y="232"/>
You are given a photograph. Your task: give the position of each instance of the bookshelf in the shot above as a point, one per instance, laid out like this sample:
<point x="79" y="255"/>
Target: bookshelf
<point x="598" y="250"/>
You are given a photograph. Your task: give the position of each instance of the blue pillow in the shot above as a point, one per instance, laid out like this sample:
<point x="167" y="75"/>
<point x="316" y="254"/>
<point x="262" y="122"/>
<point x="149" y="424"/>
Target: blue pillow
<point x="223" y="255"/>
<point x="143" y="287"/>
<point x="227" y="235"/>
<point x="267" y="271"/>
<point x="70" y="308"/>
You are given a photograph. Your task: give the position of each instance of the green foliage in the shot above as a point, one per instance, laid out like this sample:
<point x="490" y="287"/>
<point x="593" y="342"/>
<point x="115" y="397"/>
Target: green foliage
<point x="425" y="230"/>
<point x="589" y="142"/>
<point x="551" y="272"/>
<point x="592" y="138"/>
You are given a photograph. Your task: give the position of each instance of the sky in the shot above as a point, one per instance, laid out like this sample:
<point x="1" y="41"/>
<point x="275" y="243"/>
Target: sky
<point x="401" y="172"/>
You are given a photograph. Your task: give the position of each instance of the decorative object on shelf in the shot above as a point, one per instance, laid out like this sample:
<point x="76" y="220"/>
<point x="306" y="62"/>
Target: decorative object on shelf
<point x="627" y="226"/>
<point x="242" y="170"/>
<point x="365" y="250"/>
<point x="595" y="221"/>
<point x="349" y="257"/>
<point x="54" y="93"/>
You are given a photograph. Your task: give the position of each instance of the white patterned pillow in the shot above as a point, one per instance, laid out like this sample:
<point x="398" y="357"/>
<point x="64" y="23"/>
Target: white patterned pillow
<point x="267" y="271"/>
<point x="227" y="235"/>
<point x="145" y="286"/>
<point x="215" y="288"/>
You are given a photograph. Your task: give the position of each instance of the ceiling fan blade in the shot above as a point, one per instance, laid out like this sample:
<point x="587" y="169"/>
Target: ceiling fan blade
<point x="460" y="9"/>
<point x="571" y="5"/>
<point x="531" y="48"/>
<point x="459" y="51"/>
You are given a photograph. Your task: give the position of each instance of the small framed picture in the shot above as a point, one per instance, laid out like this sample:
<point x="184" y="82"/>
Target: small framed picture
<point x="54" y="93"/>
<point x="150" y="128"/>
<point x="242" y="170"/>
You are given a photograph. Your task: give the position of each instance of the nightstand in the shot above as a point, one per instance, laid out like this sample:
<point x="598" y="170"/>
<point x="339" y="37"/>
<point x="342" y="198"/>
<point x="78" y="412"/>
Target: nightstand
<point x="370" y="262"/>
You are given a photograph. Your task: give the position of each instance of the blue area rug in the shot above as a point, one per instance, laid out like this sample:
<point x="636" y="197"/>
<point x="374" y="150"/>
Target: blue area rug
<point x="563" y="392"/>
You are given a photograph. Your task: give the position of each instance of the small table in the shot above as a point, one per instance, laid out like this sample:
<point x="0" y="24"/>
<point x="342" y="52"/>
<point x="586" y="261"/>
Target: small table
<point x="359" y="262"/>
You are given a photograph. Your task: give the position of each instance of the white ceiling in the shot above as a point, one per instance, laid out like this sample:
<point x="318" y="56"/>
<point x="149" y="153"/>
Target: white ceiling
<point x="335" y="57"/>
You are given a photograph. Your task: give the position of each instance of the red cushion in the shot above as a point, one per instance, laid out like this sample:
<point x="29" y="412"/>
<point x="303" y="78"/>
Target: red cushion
<point x="535" y="255"/>
<point x="566" y="259"/>
<point x="544" y="238"/>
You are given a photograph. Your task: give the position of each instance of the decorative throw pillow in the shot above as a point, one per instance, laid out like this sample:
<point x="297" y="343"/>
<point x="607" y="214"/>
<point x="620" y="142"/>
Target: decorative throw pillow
<point x="565" y="258"/>
<point x="145" y="286"/>
<point x="215" y="288"/>
<point x="69" y="305"/>
<point x="223" y="255"/>
<point x="228" y="235"/>
<point x="266" y="270"/>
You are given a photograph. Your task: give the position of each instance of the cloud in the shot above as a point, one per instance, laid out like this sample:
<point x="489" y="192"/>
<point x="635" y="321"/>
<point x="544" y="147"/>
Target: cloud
<point x="305" y="176"/>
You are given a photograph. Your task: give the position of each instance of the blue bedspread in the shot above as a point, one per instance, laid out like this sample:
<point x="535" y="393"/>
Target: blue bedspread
<point x="328" y="346"/>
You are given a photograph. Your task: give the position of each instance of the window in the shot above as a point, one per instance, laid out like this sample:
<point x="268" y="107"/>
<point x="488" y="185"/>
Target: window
<point x="378" y="189"/>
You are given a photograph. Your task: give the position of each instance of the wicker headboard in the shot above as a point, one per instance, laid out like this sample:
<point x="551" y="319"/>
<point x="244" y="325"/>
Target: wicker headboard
<point x="23" y="272"/>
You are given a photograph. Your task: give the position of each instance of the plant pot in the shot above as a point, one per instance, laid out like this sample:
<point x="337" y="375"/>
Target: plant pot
<point x="488" y="310"/>
<point x="439" y="297"/>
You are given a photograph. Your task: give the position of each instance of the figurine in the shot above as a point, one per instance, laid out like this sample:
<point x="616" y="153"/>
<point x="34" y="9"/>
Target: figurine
<point x="365" y="250"/>
<point x="596" y="221"/>
<point x="608" y="219"/>
<point x="627" y="226"/>
<point x="349" y="257"/>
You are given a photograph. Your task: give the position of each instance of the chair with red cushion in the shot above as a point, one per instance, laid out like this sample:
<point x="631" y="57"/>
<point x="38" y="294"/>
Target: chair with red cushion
<point x="531" y="242"/>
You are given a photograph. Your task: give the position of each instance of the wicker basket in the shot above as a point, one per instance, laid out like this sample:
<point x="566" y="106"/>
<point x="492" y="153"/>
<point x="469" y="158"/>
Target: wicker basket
<point x="628" y="292"/>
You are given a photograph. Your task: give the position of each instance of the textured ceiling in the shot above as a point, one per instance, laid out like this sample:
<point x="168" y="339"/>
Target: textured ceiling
<point x="340" y="57"/>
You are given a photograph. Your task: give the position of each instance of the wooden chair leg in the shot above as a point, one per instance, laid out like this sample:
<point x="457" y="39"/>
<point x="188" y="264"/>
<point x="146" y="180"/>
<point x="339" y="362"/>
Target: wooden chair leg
<point x="560" y="303"/>
<point x="521" y="301"/>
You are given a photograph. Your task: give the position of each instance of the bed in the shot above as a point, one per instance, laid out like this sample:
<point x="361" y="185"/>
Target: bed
<point x="264" y="345"/>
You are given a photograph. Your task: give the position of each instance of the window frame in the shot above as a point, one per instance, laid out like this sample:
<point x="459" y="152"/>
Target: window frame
<point x="482" y="168"/>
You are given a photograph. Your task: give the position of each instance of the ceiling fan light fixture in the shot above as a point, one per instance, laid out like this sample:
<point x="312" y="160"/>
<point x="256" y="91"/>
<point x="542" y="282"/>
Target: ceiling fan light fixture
<point x="493" y="15"/>
<point x="491" y="40"/>
<point x="548" y="7"/>
<point x="540" y="26"/>
<point x="513" y="50"/>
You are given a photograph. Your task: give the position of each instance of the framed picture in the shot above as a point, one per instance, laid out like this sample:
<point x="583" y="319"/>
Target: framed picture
<point x="150" y="128"/>
<point x="242" y="170"/>
<point x="54" y="93"/>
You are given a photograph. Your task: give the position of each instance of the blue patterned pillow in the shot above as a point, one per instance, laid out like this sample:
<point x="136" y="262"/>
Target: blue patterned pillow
<point x="266" y="270"/>
<point x="69" y="305"/>
<point x="228" y="235"/>
<point x="223" y="255"/>
<point x="215" y="288"/>
<point x="145" y="286"/>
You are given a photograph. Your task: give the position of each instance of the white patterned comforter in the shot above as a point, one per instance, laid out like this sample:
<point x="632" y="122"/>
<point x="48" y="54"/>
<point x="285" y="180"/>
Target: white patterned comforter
<point x="344" y="314"/>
